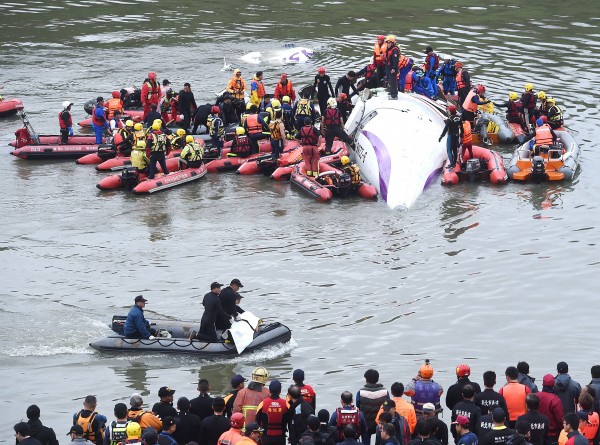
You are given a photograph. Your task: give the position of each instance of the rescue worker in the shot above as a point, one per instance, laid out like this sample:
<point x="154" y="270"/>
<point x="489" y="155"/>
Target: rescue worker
<point x="423" y="85"/>
<point x="212" y="310"/>
<point x="123" y="140"/>
<point x="310" y="139"/>
<point x="514" y="393"/>
<point x="228" y="111"/>
<point x="240" y="145"/>
<point x="369" y="399"/>
<point x="454" y="394"/>
<point x="236" y="85"/>
<point x="150" y="93"/>
<point x="273" y="107"/>
<point x="191" y="156"/>
<point x="186" y="105"/>
<point x="237" y="383"/>
<point x="379" y="55"/>
<point x="178" y="141"/>
<point x="332" y="126"/>
<point x="424" y="390"/>
<point x="99" y="122"/>
<point x="234" y="434"/>
<point x="65" y="121"/>
<point x="345" y="83"/>
<point x="271" y="415"/>
<point x="542" y="108"/>
<point x="348" y="414"/>
<point x="555" y="114"/>
<point x="168" y="112"/>
<point x="284" y="88"/>
<point x="483" y="124"/>
<point x="411" y="78"/>
<point x="230" y="301"/>
<point x="248" y="399"/>
<point x="90" y="421"/>
<point x="344" y="105"/>
<point x="256" y="128"/>
<point x="514" y="109"/>
<point x="159" y="146"/>
<point x="405" y="65"/>
<point x="463" y="82"/>
<point x="589" y="418"/>
<point x="257" y="89"/>
<point x="116" y="431"/>
<point x="139" y="159"/>
<point x="278" y="136"/>
<point x="252" y="434"/>
<point x="245" y="114"/>
<point x="288" y="114"/>
<point x="114" y="104"/>
<point x="152" y="116"/>
<point x="432" y="63"/>
<point x="304" y="108"/>
<point x="544" y="136"/>
<point x="166" y="86"/>
<point x="473" y="99"/>
<point x="137" y="414"/>
<point x="392" y="57"/>
<point x="454" y="129"/>
<point x="307" y="391"/>
<point x="448" y="74"/>
<point x="369" y="72"/>
<point x="115" y="123"/>
<point x="216" y="129"/>
<point x="323" y="89"/>
<point x="352" y="170"/>
<point x="466" y="407"/>
<point x="133" y="433"/>
<point x="528" y="100"/>
<point x="138" y="133"/>
<point x="165" y="407"/>
<point x="402" y="407"/>
<point x="466" y="140"/>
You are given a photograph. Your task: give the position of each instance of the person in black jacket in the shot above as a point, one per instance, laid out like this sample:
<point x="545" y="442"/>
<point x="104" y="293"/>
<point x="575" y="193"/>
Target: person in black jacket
<point x="202" y="405"/>
<point x="297" y="415"/>
<point x="187" y="105"/>
<point x="329" y="434"/>
<point x="466" y="407"/>
<point x="345" y="83"/>
<point x="323" y="88"/>
<point x="439" y="430"/>
<point x="212" y="310"/>
<point x="230" y="300"/>
<point x="165" y="407"/>
<point x="23" y="434"/>
<point x="213" y="426"/>
<point x="454" y="394"/>
<point x="499" y="433"/>
<point x="539" y="424"/>
<point x="488" y="399"/>
<point x="424" y="433"/>
<point x="188" y="424"/>
<point x="228" y="111"/>
<point x="43" y="434"/>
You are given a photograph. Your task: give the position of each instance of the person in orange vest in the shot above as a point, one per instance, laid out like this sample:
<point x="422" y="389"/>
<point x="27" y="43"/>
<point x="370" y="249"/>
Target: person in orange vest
<point x="92" y="423"/>
<point x="236" y="85"/>
<point x="514" y="393"/>
<point x="137" y="414"/>
<point x="472" y="101"/>
<point x="150" y="92"/>
<point x="114" y="104"/>
<point x="466" y="140"/>
<point x="463" y="81"/>
<point x="271" y="416"/>
<point x="544" y="135"/>
<point x="257" y="89"/>
<point x="234" y="434"/>
<point x="405" y="65"/>
<point x="285" y="88"/>
<point x="432" y="63"/>
<point x="379" y="54"/>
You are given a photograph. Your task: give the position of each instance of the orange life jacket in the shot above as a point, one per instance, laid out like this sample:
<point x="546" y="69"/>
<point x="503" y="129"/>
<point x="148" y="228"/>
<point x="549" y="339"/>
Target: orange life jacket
<point x="402" y="61"/>
<point x="514" y="393"/>
<point x="96" y="120"/>
<point x="591" y="428"/>
<point x="460" y="83"/>
<point x="253" y="124"/>
<point x="86" y="424"/>
<point x="285" y="90"/>
<point x="379" y="53"/>
<point x="260" y="90"/>
<point x="468" y="104"/>
<point x="230" y="437"/>
<point x="113" y="105"/>
<point x="467" y="137"/>
<point x="543" y="136"/>
<point x="408" y="82"/>
<point x="237" y="87"/>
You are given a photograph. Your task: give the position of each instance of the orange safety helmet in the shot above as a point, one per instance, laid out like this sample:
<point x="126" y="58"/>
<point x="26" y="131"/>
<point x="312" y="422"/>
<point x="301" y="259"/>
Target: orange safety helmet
<point x="116" y="94"/>
<point x="321" y="70"/>
<point x="463" y="371"/>
<point x="426" y="371"/>
<point x="152" y="75"/>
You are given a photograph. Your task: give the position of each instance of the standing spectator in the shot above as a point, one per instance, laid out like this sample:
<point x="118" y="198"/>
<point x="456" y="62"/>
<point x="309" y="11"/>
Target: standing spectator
<point x="297" y="414"/>
<point x="43" y="434"/>
<point x="567" y="389"/>
<point x="23" y="434"/>
<point x="188" y="424"/>
<point x="91" y="422"/>
<point x="514" y="393"/>
<point x="213" y="426"/>
<point x="369" y="399"/>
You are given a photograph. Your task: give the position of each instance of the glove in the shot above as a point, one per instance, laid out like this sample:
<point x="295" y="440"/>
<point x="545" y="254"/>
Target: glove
<point x="70" y="131"/>
<point x="237" y="318"/>
<point x="152" y="337"/>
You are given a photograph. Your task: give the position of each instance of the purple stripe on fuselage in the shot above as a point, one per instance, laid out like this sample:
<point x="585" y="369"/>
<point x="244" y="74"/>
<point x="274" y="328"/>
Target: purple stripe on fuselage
<point x="431" y="176"/>
<point x="384" y="162"/>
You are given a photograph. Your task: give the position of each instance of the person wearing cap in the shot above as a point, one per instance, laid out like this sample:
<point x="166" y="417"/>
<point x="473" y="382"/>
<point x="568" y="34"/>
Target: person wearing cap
<point x="116" y="431"/>
<point x="252" y="434"/>
<point x="423" y="389"/>
<point x="462" y="426"/>
<point x="76" y="433"/>
<point x="466" y="408"/>
<point x="44" y="434"/>
<point x="349" y="414"/>
<point x="271" y="416"/>
<point x="399" y="422"/>
<point x="137" y="414"/>
<point x="551" y="407"/>
<point x="322" y="88"/>
<point x="134" y="435"/>
<point x="230" y="300"/>
<point x="499" y="433"/>
<point x="237" y="383"/>
<point x="454" y="394"/>
<point x="298" y="413"/>
<point x="91" y="422"/>
<point x="65" y="121"/>
<point x="369" y="399"/>
<point x="567" y="389"/>
<point x="538" y="423"/>
<point x="23" y="433"/>
<point x="212" y="310"/>
<point x="439" y="429"/>
<point x="188" y="424"/>
<point x="284" y="88"/>
<point x="392" y="57"/>
<point x="215" y="425"/>
<point x="432" y="63"/>
<point x="308" y="393"/>
<point x="234" y="434"/>
<point x="99" y="122"/>
<point x="202" y="405"/>
<point x="136" y="325"/>
<point x="168" y="428"/>
<point x="488" y="399"/>
<point x="514" y="393"/>
<point x="165" y="407"/>
<point x="257" y="89"/>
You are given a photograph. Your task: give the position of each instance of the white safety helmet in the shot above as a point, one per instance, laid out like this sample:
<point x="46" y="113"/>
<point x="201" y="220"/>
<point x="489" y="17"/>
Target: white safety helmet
<point x="331" y="102"/>
<point x="66" y="104"/>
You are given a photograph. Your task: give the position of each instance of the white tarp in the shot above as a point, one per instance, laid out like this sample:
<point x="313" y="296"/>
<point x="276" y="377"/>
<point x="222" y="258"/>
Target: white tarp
<point x="242" y="331"/>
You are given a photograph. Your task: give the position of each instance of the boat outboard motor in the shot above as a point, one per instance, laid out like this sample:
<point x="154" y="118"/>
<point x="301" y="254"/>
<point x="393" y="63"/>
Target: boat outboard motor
<point x="472" y="169"/>
<point x="538" y="170"/>
<point x="130" y="177"/>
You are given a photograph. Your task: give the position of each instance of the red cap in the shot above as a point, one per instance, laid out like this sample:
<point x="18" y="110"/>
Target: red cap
<point x="213" y="110"/>
<point x="321" y="70"/>
<point x="116" y="94"/>
<point x="151" y="75"/>
<point x="462" y="421"/>
<point x="548" y="380"/>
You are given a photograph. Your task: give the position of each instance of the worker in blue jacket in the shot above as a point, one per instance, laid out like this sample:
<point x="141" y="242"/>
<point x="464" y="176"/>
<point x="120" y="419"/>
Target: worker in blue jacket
<point x="136" y="326"/>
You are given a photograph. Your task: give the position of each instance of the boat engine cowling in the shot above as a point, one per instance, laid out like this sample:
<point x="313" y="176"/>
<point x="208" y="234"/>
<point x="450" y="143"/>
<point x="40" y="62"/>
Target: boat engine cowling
<point x="130" y="177"/>
<point x="538" y="170"/>
<point x="472" y="169"/>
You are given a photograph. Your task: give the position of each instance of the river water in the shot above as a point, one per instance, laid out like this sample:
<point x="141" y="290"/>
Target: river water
<point x="477" y="274"/>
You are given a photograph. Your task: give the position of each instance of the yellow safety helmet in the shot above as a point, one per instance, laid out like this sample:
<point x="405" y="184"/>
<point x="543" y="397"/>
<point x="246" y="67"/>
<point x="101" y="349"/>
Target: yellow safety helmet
<point x="551" y="100"/>
<point x="285" y="99"/>
<point x="513" y="96"/>
<point x="541" y="95"/>
<point x="248" y="106"/>
<point x="141" y="144"/>
<point x="129" y="123"/>
<point x="237" y="70"/>
<point x="391" y="38"/>
<point x="331" y="102"/>
<point x="133" y="429"/>
<point x="260" y="375"/>
<point x="275" y="103"/>
<point x="528" y="87"/>
<point x="345" y="160"/>
<point x="240" y="131"/>
<point x="156" y="125"/>
<point x="180" y="132"/>
<point x="138" y="127"/>
<point x="189" y="139"/>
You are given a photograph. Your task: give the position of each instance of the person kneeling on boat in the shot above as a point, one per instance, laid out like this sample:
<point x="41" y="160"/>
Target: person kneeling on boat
<point x="240" y="146"/>
<point x="311" y="140"/>
<point x="351" y="169"/>
<point x="139" y="159"/>
<point x="454" y="129"/>
<point x="555" y="114"/>
<point x="136" y="325"/>
<point x="158" y="145"/>
<point x="66" y="122"/>
<point x="333" y="126"/>
<point x="179" y="140"/>
<point x="544" y="137"/>
<point x="191" y="156"/>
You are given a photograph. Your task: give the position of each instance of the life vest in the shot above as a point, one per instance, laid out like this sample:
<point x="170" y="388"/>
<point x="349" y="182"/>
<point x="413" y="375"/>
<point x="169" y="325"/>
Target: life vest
<point x="370" y="70"/>
<point x="274" y="410"/>
<point x="177" y="142"/>
<point x="308" y="393"/>
<point x="543" y="136"/>
<point x="275" y="130"/>
<point x="192" y="152"/>
<point x="403" y="61"/>
<point x="241" y="146"/>
<point x="468" y="104"/>
<point x="528" y="100"/>
<point x="467" y="136"/>
<point x="436" y="63"/>
<point x="346" y="416"/>
<point x="113" y="105"/>
<point x="86" y="424"/>
<point x="96" y="120"/>
<point x="303" y="108"/>
<point x="145" y="419"/>
<point x="460" y="82"/>
<point x="260" y="89"/>
<point x="118" y="432"/>
<point x="390" y="50"/>
<point x="139" y="135"/>
<point x="555" y="114"/>
<point x="308" y="135"/>
<point x="486" y="108"/>
<point x="253" y="124"/>
<point x="211" y="123"/>
<point x="61" y="121"/>
<point x="243" y="118"/>
<point x="230" y="437"/>
<point x="408" y="82"/>
<point x="248" y="400"/>
<point x="514" y="110"/>
<point x="153" y="90"/>
<point x="285" y="90"/>
<point x="426" y="392"/>
<point x="514" y="394"/>
<point x="159" y="142"/>
<point x="139" y="159"/>
<point x="332" y="117"/>
<point x="354" y="171"/>
<point x="379" y="52"/>
<point x="237" y="87"/>
<point x="591" y="428"/>
<point x="165" y="106"/>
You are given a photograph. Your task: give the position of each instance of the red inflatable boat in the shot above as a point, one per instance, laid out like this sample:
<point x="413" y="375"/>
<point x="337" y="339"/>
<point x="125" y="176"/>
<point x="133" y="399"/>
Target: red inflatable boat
<point x="338" y="149"/>
<point x="121" y="180"/>
<point x="265" y="164"/>
<point x="53" y="151"/>
<point x="121" y="162"/>
<point x="485" y="164"/>
<point x="23" y="138"/>
<point x="127" y="114"/>
<point x="8" y="107"/>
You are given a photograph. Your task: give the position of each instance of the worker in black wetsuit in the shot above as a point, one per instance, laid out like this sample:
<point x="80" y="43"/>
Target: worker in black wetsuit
<point x="323" y="88"/>
<point x="201" y="116"/>
<point x="230" y="299"/>
<point x="228" y="111"/>
<point x="187" y="105"/>
<point x="345" y="83"/>
<point x="212" y="310"/>
<point x="453" y="126"/>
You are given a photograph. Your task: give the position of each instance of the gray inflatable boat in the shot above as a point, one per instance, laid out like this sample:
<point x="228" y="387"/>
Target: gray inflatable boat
<point x="179" y="343"/>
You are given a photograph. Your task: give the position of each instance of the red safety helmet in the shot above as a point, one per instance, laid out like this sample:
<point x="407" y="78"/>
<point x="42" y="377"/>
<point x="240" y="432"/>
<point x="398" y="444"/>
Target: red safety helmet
<point x="343" y="96"/>
<point x="544" y="118"/>
<point x="215" y="109"/>
<point x="237" y="420"/>
<point x="463" y="371"/>
<point x="380" y="37"/>
<point x="116" y="94"/>
<point x="321" y="70"/>
<point x="152" y="75"/>
<point x="452" y="109"/>
<point x="480" y="89"/>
